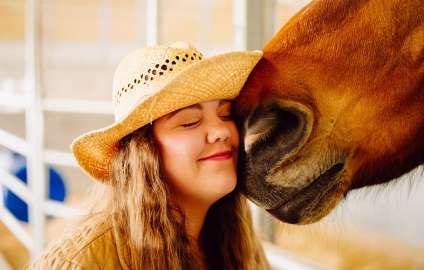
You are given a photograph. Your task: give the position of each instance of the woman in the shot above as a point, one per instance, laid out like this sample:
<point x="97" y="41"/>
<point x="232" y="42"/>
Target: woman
<point x="168" y="168"/>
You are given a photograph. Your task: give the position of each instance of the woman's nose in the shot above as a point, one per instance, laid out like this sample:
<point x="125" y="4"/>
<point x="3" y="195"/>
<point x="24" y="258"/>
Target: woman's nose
<point x="218" y="131"/>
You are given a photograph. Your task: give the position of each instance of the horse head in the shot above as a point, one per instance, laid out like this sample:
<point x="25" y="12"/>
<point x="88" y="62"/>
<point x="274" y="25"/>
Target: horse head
<point x="336" y="103"/>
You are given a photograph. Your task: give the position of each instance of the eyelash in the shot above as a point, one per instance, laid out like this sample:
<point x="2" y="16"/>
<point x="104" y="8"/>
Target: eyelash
<point x="226" y="117"/>
<point x="190" y="124"/>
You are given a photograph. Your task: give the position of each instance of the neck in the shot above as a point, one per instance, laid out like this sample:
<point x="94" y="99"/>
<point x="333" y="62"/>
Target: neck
<point x="195" y="218"/>
<point x="194" y="211"/>
<point x="195" y="214"/>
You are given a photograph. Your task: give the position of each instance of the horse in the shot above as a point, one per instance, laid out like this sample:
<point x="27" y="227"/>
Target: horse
<point x="335" y="104"/>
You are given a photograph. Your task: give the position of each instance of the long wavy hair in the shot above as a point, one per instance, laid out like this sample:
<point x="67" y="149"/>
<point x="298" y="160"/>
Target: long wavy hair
<point x="154" y="226"/>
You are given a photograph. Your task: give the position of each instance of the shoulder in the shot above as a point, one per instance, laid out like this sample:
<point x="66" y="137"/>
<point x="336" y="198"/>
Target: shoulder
<point x="91" y="246"/>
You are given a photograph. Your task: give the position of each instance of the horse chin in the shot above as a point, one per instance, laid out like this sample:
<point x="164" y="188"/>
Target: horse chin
<point x="313" y="202"/>
<point x="299" y="210"/>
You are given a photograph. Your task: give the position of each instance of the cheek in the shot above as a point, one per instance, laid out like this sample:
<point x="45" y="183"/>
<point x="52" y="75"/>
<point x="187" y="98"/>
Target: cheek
<point x="180" y="151"/>
<point x="235" y="138"/>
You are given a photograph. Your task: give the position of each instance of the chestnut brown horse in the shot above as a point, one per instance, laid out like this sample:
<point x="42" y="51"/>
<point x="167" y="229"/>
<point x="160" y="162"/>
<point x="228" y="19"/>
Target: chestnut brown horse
<point x="336" y="103"/>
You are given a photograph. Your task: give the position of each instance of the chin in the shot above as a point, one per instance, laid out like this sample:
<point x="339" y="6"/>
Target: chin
<point x="229" y="184"/>
<point x="225" y="186"/>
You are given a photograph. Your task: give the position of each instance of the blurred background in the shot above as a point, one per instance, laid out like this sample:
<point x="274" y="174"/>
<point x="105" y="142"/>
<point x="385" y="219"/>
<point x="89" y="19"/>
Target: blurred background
<point x="57" y="59"/>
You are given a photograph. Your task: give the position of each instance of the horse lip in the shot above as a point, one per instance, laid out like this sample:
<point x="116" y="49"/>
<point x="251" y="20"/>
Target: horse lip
<point x="331" y="174"/>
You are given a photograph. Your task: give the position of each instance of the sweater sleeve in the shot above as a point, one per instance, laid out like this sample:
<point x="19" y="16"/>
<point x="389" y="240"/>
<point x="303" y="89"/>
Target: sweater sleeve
<point x="90" y="246"/>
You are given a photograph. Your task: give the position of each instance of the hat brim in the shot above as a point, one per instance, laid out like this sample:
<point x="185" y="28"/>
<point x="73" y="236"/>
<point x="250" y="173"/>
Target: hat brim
<point x="217" y="77"/>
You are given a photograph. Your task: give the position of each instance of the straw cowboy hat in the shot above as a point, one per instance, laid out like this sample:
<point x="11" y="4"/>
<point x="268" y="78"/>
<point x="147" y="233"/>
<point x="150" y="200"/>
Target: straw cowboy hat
<point x="154" y="81"/>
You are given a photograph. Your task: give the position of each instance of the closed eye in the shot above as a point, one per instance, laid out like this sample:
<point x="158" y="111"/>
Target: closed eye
<point x="190" y="124"/>
<point x="227" y="117"/>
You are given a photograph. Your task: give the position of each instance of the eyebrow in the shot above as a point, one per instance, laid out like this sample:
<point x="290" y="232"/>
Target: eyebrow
<point x="194" y="106"/>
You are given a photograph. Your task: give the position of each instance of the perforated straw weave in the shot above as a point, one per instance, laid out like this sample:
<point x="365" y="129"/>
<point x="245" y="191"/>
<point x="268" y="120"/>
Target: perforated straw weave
<point x="154" y="81"/>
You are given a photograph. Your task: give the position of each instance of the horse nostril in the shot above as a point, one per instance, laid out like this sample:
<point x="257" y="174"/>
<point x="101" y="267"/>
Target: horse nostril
<point x="293" y="127"/>
<point x="249" y="139"/>
<point x="287" y="125"/>
<point x="259" y="125"/>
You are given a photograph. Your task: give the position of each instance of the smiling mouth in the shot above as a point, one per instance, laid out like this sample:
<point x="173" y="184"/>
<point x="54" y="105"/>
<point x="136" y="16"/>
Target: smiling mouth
<point x="224" y="156"/>
<point x="310" y="197"/>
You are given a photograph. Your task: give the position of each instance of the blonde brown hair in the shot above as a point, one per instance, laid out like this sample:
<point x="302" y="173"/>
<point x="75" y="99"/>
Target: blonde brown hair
<point x="138" y="191"/>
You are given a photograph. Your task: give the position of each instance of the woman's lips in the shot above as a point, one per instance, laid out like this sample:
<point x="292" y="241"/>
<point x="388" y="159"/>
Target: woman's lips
<point x="221" y="156"/>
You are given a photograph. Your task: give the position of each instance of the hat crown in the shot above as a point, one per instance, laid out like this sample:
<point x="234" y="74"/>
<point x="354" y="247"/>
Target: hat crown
<point x="144" y="72"/>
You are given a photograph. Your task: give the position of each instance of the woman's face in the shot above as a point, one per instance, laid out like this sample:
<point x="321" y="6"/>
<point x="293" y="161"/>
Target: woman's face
<point x="185" y="137"/>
